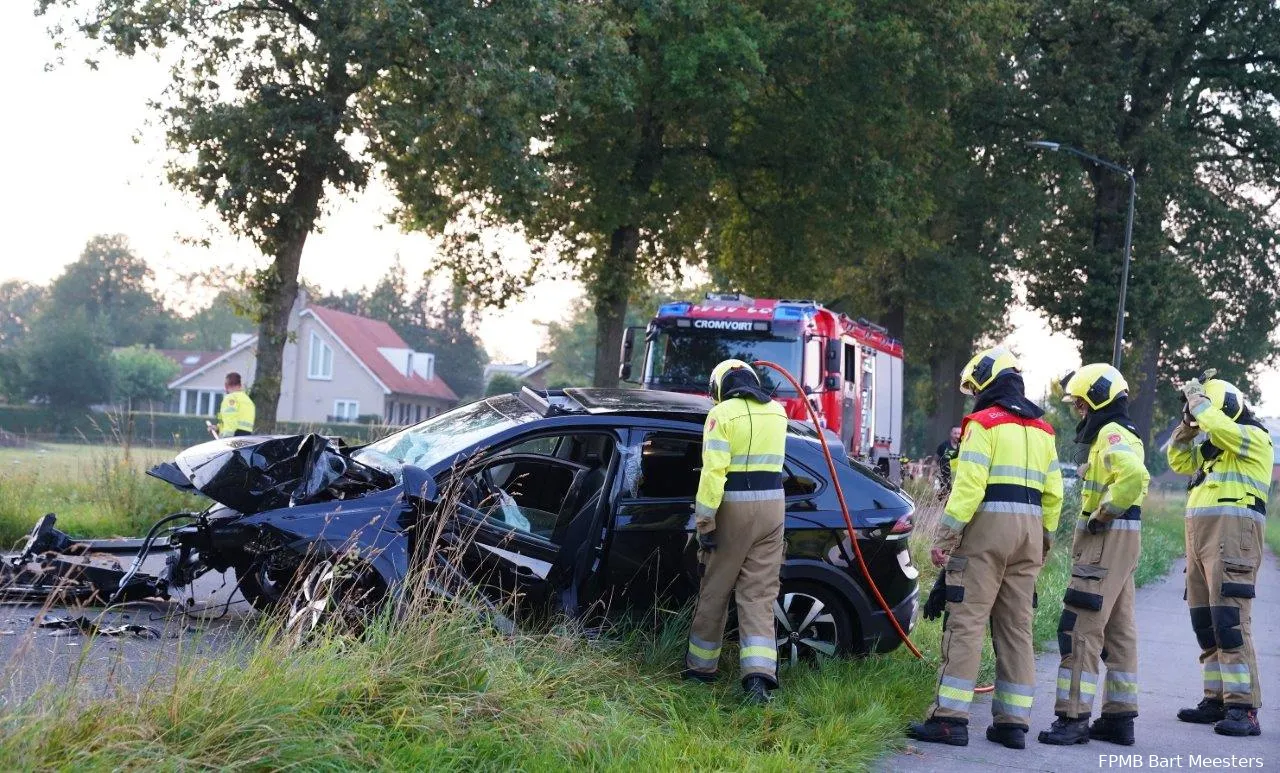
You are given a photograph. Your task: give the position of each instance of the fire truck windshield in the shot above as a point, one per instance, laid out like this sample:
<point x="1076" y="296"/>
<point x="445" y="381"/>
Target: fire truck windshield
<point x="684" y="359"/>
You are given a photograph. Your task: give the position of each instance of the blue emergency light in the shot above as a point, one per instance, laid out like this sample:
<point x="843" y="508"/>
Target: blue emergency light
<point x="674" y="309"/>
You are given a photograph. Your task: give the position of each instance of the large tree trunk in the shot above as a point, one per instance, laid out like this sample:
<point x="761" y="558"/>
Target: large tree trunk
<point x="1143" y="384"/>
<point x="1096" y="329"/>
<point x="276" y="296"/>
<point x="611" y="290"/>
<point x="948" y="402"/>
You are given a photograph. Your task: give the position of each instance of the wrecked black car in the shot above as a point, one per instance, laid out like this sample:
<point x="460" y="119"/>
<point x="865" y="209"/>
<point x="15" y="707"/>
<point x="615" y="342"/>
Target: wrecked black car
<point x="577" y="501"/>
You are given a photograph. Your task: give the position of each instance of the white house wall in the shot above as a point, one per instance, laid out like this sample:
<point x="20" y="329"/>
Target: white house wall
<point x="312" y="400"/>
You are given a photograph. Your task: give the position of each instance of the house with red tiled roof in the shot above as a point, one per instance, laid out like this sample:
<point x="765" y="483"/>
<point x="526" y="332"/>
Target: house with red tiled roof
<point x="338" y="367"/>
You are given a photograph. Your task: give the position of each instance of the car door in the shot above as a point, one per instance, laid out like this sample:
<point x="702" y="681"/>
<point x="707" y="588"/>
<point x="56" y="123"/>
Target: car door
<point x="652" y="551"/>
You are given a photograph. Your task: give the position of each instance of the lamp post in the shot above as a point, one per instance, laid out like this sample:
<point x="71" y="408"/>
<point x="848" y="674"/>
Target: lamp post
<point x="1128" y="231"/>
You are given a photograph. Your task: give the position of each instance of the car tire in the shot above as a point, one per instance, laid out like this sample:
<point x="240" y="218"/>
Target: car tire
<point x="262" y="586"/>
<point x="813" y="622"/>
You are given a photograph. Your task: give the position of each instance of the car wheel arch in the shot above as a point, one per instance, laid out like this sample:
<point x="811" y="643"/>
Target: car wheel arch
<point x="837" y="580"/>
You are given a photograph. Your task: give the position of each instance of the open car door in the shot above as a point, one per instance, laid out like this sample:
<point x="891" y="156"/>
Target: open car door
<point x="531" y="526"/>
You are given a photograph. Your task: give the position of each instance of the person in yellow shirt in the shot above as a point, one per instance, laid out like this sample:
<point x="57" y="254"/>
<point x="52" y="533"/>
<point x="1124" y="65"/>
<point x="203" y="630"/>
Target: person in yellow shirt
<point x="237" y="413"/>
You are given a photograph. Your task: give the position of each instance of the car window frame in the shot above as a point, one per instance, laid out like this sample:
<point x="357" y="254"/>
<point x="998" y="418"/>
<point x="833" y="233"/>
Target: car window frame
<point x="637" y="437"/>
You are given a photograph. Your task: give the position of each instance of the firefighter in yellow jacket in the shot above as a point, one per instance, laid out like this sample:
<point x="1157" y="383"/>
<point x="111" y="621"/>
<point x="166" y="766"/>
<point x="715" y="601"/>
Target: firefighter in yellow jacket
<point x="236" y="415"/>
<point x="1005" y="500"/>
<point x="739" y="518"/>
<point x="1226" y="511"/>
<point x="1097" y="619"/>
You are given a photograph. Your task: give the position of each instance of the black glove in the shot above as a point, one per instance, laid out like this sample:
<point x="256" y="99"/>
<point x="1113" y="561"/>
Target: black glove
<point x="707" y="542"/>
<point x="937" y="599"/>
<point x="1095" y="526"/>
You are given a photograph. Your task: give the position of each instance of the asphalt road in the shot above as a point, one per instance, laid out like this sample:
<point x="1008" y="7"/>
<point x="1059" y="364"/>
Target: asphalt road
<point x="1169" y="675"/>
<point x="39" y="661"/>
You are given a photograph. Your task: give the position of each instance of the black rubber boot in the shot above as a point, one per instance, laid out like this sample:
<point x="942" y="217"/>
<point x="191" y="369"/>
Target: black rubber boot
<point x="1206" y="712"/>
<point x="757" y="690"/>
<point x="1239" y="721"/>
<point x="1011" y="736"/>
<point x="1066" y="732"/>
<point x="690" y="675"/>
<point x="952" y="732"/>
<point x="1113" y="730"/>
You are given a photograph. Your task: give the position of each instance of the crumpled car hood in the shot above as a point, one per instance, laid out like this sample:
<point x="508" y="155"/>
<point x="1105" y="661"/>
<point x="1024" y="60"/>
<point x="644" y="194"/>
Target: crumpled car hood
<point x="252" y="474"/>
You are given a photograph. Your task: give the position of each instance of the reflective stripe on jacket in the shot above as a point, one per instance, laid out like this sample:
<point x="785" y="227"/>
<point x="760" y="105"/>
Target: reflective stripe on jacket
<point x="1117" y="476"/>
<point x="1237" y="480"/>
<point x="744" y="444"/>
<point x="237" y="414"/>
<point x="1007" y="464"/>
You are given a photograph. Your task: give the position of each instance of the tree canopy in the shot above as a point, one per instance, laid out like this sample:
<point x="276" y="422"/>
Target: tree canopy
<point x="1186" y="94"/>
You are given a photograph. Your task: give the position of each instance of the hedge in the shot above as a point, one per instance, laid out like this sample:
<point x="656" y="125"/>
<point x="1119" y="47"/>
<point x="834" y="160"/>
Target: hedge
<point x="155" y="429"/>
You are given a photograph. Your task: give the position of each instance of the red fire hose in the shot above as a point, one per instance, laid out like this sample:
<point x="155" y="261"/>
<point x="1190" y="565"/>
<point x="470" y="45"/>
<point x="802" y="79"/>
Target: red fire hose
<point x="848" y="521"/>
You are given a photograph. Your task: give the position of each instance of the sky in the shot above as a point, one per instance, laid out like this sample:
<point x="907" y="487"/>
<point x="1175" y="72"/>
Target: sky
<point x="82" y="160"/>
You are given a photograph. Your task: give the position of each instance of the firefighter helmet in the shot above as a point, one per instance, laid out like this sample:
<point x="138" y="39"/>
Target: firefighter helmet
<point x="722" y="370"/>
<point x="1097" y="383"/>
<point x="1225" y="397"/>
<point x="985" y="366"/>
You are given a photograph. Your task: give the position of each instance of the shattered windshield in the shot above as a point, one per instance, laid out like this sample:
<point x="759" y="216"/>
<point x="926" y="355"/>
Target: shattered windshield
<point x="448" y="434"/>
<point x="686" y="358"/>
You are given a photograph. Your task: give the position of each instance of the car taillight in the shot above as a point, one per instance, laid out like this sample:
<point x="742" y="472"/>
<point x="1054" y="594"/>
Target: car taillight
<point x="902" y="525"/>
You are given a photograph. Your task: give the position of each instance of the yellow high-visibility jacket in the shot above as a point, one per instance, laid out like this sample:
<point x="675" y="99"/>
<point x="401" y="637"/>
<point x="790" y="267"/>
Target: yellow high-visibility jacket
<point x="1237" y="480"/>
<point x="1007" y="465"/>
<point x="1116" y="479"/>
<point x="744" y="444"/>
<point x="237" y="413"/>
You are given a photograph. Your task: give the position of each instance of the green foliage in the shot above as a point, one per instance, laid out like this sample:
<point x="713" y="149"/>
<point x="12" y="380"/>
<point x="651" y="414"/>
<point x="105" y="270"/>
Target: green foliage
<point x="142" y="374"/>
<point x="210" y="329"/>
<point x="20" y="303"/>
<point x="502" y="384"/>
<point x="1184" y="93"/>
<point x="571" y="346"/>
<point x="112" y="286"/>
<point x="65" y="362"/>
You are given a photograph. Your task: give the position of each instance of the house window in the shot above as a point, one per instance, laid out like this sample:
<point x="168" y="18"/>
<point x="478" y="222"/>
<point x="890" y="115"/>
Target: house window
<point x="346" y="410"/>
<point x="320" y="361"/>
<point x="391" y="412"/>
<point x="418" y="413"/>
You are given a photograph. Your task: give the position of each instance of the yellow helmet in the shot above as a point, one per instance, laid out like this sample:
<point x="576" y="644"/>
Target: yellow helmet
<point x="1225" y="397"/>
<point x="1097" y="383"/>
<point x="720" y="371"/>
<point x="984" y="367"/>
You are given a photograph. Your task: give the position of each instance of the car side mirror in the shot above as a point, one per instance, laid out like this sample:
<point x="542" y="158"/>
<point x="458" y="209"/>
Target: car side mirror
<point x="418" y="484"/>
<point x="627" y="353"/>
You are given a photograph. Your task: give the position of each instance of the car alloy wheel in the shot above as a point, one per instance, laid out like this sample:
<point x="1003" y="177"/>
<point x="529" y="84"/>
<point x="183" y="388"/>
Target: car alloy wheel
<point x="340" y="595"/>
<point x="807" y="628"/>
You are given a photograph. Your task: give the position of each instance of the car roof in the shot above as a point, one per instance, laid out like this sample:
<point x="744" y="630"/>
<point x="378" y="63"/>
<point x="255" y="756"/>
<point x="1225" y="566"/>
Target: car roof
<point x="598" y="402"/>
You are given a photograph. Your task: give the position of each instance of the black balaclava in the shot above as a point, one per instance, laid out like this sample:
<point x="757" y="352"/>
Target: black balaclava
<point x="740" y="382"/>
<point x="1117" y="410"/>
<point x="1008" y="392"/>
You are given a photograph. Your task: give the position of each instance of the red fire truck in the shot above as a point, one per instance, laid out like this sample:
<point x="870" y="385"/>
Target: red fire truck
<point x="851" y="370"/>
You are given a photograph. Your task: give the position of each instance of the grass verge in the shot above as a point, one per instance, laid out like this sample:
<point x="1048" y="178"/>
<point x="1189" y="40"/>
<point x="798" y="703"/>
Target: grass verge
<point x="96" y="491"/>
<point x="440" y="691"/>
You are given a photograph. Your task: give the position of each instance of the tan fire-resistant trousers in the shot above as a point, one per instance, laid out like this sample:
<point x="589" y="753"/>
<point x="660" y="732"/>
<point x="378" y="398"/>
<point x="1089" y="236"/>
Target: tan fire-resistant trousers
<point x="1098" y="622"/>
<point x="991" y="575"/>
<point x="746" y="563"/>
<point x="1223" y="556"/>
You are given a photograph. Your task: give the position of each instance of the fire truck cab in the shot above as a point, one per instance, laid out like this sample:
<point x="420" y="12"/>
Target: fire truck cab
<point x="851" y="370"/>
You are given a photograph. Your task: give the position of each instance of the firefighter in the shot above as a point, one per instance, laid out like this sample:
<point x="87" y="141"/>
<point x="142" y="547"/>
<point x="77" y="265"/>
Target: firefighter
<point x="1225" y="514"/>
<point x="1098" y="617"/>
<point x="236" y="415"/>
<point x="739" y="519"/>
<point x="1005" y="500"/>
<point x="946" y="456"/>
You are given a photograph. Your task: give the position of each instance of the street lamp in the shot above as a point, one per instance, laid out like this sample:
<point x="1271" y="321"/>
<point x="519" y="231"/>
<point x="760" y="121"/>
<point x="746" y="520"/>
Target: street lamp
<point x="1128" y="230"/>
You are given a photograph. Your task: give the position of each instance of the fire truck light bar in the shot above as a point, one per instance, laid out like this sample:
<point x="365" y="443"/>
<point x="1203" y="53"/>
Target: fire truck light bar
<point x="673" y="309"/>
